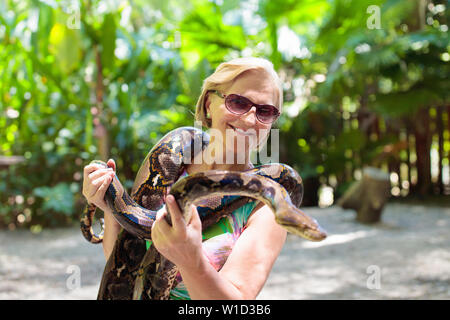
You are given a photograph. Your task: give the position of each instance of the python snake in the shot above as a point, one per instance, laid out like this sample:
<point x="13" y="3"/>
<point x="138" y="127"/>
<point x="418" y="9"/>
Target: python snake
<point x="134" y="272"/>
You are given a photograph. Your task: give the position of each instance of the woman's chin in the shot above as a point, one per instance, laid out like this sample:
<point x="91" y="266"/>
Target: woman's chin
<point x="238" y="152"/>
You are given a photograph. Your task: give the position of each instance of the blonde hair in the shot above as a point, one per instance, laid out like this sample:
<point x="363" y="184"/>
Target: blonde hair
<point x="226" y="73"/>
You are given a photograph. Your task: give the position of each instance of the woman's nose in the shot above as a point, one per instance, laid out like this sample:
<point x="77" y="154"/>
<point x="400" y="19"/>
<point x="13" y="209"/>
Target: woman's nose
<point x="250" y="116"/>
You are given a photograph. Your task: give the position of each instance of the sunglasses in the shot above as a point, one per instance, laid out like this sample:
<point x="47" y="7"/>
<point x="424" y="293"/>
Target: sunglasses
<point x="237" y="104"/>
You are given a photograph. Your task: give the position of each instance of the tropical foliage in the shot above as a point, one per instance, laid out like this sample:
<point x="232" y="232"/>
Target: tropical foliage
<point x="366" y="83"/>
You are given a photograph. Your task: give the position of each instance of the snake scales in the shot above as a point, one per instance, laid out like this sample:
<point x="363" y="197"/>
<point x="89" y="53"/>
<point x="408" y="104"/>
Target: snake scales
<point x="132" y="272"/>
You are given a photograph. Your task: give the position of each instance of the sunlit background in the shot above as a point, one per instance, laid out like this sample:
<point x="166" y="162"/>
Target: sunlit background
<point x="366" y="84"/>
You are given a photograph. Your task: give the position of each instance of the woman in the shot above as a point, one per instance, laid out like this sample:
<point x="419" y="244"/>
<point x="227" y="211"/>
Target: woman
<point x="233" y="259"/>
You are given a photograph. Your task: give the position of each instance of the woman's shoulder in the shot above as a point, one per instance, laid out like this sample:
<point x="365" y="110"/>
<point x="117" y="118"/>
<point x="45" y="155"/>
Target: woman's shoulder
<point x="257" y="206"/>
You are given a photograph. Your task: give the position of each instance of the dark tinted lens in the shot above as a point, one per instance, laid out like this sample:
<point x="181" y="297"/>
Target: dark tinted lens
<point x="238" y="104"/>
<point x="267" y="113"/>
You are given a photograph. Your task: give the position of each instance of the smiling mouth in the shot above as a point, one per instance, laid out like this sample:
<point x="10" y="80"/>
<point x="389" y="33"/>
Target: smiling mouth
<point x="240" y="131"/>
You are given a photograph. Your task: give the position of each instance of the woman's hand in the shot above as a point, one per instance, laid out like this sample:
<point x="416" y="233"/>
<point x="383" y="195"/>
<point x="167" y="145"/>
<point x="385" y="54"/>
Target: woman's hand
<point x="96" y="180"/>
<point x="181" y="243"/>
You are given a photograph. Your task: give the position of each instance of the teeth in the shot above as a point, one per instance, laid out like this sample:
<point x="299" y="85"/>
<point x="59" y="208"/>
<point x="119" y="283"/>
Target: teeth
<point x="240" y="131"/>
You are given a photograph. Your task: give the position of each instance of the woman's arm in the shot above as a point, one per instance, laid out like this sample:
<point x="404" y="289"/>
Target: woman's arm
<point x="247" y="267"/>
<point x="112" y="229"/>
<point x="95" y="182"/>
<point x="254" y="253"/>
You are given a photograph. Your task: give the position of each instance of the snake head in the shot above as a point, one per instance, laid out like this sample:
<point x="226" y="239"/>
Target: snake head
<point x="299" y="223"/>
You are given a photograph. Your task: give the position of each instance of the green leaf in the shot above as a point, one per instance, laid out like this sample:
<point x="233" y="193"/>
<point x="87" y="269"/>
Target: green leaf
<point x="205" y="36"/>
<point x="88" y="130"/>
<point x="108" y="41"/>
<point x="58" y="198"/>
<point x="40" y="37"/>
<point x="407" y="102"/>
<point x="352" y="139"/>
<point x="65" y="45"/>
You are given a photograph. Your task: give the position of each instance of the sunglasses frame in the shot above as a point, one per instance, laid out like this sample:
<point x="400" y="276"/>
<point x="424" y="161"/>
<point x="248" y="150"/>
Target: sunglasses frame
<point x="224" y="96"/>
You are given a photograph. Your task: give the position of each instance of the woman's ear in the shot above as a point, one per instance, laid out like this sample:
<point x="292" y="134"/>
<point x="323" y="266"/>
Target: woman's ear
<point x="207" y="105"/>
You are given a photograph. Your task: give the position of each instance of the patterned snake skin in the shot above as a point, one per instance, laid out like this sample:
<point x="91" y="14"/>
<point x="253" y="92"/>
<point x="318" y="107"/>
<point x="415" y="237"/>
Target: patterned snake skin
<point x="132" y="272"/>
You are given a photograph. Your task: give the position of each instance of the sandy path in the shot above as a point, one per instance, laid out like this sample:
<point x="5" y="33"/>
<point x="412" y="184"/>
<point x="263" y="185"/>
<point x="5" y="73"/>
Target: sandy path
<point x="410" y="249"/>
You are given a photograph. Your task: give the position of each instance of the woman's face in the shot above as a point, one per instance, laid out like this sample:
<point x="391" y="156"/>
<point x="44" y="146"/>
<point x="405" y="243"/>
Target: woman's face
<point x="258" y="87"/>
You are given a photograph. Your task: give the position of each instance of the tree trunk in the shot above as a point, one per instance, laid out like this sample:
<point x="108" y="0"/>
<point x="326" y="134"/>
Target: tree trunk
<point x="368" y="195"/>
<point x="340" y="176"/>
<point x="448" y="155"/>
<point x="408" y="153"/>
<point x="392" y="128"/>
<point x="440" y="132"/>
<point x="100" y="131"/>
<point x="423" y="145"/>
<point x="311" y="187"/>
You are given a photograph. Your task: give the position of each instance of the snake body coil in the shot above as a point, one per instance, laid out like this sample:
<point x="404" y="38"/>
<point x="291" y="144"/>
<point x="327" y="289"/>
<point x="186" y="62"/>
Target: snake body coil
<point x="148" y="275"/>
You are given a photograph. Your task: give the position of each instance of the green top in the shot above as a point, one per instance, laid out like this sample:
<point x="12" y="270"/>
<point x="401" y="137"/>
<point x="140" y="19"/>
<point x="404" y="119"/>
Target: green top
<point x="218" y="241"/>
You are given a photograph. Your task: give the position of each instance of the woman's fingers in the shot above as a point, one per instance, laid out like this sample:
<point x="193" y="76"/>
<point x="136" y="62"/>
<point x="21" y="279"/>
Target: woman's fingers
<point x="95" y="180"/>
<point x="111" y="164"/>
<point x="160" y="213"/>
<point x="86" y="181"/>
<point x="94" y="188"/>
<point x="160" y="221"/>
<point x="178" y="222"/>
<point x="98" y="178"/>
<point x="99" y="173"/>
<point x="90" y="168"/>
<point x="195" y="218"/>
<point x="102" y="189"/>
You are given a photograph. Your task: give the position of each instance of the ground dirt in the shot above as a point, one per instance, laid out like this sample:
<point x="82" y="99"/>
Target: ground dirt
<point x="406" y="256"/>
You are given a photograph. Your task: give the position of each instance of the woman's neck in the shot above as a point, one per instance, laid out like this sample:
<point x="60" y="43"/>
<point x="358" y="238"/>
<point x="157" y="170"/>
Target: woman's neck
<point x="213" y="158"/>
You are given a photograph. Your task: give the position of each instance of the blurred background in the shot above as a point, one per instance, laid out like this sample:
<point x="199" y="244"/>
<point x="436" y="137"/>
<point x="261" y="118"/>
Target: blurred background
<point x="366" y="84"/>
